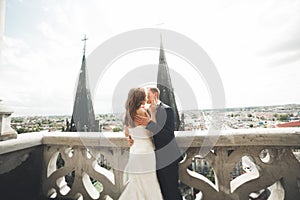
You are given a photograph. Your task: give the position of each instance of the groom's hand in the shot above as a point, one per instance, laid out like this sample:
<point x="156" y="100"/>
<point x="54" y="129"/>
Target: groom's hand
<point x="141" y="120"/>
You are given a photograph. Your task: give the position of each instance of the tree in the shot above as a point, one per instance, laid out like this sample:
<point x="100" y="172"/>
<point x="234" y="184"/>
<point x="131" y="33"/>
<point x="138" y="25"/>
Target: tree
<point x="211" y="175"/>
<point x="117" y="129"/>
<point x="20" y="130"/>
<point x="283" y="117"/>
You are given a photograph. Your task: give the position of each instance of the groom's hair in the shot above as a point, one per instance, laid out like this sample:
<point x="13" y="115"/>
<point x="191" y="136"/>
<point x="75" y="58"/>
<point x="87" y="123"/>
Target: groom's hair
<point x="155" y="90"/>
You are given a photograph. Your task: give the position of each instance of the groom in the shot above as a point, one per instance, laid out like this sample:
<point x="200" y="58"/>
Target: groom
<point x="167" y="151"/>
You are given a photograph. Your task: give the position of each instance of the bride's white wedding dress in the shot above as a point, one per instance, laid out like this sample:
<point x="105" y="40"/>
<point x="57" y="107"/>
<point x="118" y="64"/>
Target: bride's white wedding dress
<point x="141" y="168"/>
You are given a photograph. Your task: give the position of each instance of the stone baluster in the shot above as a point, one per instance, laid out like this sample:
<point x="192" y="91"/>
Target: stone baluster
<point x="275" y="168"/>
<point x="6" y="132"/>
<point x="84" y="163"/>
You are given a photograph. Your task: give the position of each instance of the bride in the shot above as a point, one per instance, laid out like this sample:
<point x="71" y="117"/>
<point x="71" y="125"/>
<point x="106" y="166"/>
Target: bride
<point x="141" y="166"/>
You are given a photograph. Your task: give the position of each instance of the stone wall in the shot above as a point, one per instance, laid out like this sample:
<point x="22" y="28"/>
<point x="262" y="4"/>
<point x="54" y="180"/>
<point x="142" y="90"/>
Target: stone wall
<point x="20" y="174"/>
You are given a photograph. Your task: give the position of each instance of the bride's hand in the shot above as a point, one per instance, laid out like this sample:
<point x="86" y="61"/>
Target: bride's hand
<point x="141" y="120"/>
<point x="128" y="136"/>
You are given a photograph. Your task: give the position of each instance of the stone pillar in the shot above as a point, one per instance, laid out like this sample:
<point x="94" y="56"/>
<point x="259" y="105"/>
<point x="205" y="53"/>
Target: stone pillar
<point x="6" y="132"/>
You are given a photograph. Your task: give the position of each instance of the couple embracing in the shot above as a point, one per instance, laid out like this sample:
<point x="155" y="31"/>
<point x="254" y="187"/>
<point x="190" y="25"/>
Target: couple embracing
<point x="154" y="153"/>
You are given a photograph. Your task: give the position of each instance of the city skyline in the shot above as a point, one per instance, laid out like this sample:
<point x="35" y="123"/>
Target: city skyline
<point x="254" y="45"/>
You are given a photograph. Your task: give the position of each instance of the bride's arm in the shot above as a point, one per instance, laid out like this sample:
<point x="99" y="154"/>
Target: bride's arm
<point x="127" y="135"/>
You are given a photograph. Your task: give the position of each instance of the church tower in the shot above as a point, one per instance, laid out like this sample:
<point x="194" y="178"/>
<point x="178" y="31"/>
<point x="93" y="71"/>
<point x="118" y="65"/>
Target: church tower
<point x="83" y="117"/>
<point x="164" y="84"/>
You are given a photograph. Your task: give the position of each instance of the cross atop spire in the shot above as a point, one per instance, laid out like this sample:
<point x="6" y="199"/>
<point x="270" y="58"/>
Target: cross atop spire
<point x="84" y="47"/>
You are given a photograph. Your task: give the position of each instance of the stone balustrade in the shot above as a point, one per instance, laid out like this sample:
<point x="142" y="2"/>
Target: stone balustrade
<point x="6" y="132"/>
<point x="269" y="158"/>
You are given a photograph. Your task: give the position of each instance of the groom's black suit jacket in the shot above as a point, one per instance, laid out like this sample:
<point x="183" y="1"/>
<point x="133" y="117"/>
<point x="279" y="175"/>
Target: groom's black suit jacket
<point x="167" y="150"/>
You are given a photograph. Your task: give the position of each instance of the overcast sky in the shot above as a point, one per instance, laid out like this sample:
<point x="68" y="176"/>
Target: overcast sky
<point x="255" y="46"/>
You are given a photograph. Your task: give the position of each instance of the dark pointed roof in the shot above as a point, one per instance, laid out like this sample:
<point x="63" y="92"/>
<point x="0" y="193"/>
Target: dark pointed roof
<point x="164" y="84"/>
<point x="83" y="117"/>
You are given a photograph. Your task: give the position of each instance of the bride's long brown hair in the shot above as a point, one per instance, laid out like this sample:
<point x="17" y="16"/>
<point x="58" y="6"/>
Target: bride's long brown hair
<point x="135" y="98"/>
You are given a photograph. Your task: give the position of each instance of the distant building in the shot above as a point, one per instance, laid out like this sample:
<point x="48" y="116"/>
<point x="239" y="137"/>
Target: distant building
<point x="289" y="124"/>
<point x="164" y="84"/>
<point x="83" y="117"/>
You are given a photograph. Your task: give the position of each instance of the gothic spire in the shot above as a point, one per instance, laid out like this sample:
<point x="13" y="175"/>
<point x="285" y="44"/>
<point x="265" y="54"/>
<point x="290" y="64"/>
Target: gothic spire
<point x="84" y="47"/>
<point x="162" y="56"/>
<point x="83" y="117"/>
<point x="164" y="84"/>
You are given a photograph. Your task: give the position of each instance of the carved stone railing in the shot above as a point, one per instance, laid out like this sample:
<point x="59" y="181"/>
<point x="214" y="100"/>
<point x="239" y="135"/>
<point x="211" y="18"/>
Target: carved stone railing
<point x="81" y="154"/>
<point x="270" y="155"/>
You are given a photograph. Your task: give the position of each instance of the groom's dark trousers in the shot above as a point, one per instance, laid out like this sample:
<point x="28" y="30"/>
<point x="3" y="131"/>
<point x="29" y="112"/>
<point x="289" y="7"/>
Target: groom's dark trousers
<point x="168" y="181"/>
<point x="167" y="152"/>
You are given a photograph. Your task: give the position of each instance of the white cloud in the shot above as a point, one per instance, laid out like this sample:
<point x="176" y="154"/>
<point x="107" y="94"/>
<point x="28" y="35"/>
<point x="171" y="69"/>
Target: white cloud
<point x="33" y="81"/>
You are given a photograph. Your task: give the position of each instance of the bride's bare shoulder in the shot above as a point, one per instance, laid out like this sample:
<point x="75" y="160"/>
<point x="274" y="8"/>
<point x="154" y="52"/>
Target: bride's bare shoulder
<point x="141" y="111"/>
